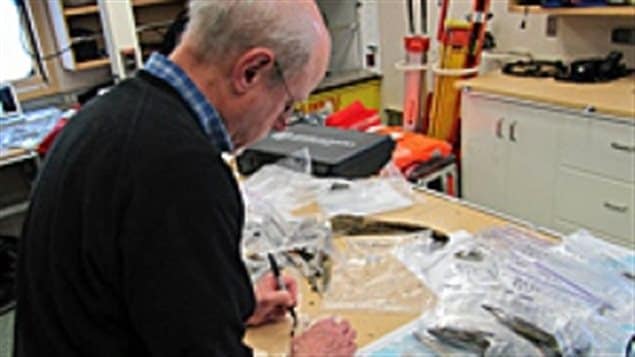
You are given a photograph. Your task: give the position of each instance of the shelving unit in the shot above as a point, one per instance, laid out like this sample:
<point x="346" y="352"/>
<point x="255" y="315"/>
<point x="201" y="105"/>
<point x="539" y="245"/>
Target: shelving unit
<point x="66" y="18"/>
<point x="81" y="10"/>
<point x="617" y="10"/>
<point x="141" y="3"/>
<point x="101" y="62"/>
<point x="93" y="9"/>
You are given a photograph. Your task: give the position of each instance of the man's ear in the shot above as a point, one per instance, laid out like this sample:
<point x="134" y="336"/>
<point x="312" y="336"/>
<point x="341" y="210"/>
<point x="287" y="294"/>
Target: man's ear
<point x="251" y="68"/>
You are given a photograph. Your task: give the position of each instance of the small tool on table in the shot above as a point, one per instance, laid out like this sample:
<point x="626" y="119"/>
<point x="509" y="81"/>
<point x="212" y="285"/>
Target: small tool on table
<point x="282" y="286"/>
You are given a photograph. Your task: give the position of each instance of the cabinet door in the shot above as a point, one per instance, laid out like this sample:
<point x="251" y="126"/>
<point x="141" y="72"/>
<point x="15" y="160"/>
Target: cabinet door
<point x="483" y="156"/>
<point x="532" y="161"/>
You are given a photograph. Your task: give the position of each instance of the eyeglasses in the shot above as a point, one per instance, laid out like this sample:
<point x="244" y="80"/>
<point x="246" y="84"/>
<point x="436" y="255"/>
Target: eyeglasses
<point x="289" y="104"/>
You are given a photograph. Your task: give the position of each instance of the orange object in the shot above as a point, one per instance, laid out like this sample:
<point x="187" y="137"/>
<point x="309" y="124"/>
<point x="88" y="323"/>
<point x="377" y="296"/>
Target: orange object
<point x="354" y="117"/>
<point x="413" y="148"/>
<point x="450" y="189"/>
<point x="414" y="82"/>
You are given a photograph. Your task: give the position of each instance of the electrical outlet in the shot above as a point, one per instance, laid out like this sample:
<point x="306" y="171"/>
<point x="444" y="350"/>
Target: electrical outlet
<point x="552" y="26"/>
<point x="623" y="36"/>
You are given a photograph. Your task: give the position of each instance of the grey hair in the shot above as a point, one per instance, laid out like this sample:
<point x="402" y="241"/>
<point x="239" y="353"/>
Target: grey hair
<point x="221" y="29"/>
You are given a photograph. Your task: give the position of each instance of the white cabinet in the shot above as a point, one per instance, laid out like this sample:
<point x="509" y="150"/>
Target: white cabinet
<point x="483" y="158"/>
<point x="596" y="178"/>
<point x="604" y="147"/>
<point x="597" y="203"/>
<point x="531" y="165"/>
<point x="507" y="156"/>
<point x="550" y="166"/>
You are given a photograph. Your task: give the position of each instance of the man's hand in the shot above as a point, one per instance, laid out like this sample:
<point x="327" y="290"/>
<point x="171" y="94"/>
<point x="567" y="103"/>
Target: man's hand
<point x="325" y="338"/>
<point x="271" y="303"/>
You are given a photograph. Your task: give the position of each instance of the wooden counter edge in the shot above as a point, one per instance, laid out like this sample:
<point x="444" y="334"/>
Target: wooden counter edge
<point x="476" y="85"/>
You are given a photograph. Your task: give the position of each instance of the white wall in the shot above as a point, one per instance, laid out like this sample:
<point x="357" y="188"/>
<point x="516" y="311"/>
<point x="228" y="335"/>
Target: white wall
<point x="352" y="29"/>
<point x="341" y="18"/>
<point x="392" y="27"/>
<point x="577" y="37"/>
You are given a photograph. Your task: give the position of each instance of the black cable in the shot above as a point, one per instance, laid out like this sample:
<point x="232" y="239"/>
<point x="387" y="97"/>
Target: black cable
<point x="629" y="346"/>
<point x="30" y="33"/>
<point x="523" y="23"/>
<point x="424" y="16"/>
<point x="36" y="56"/>
<point x="39" y="58"/>
<point x="56" y="54"/>
<point x="411" y="19"/>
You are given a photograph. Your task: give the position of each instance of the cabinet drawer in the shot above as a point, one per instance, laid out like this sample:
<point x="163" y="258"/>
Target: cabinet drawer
<point x="603" y="147"/>
<point x="596" y="202"/>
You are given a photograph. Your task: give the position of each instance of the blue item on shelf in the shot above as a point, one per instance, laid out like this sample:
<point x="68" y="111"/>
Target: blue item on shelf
<point x="572" y="3"/>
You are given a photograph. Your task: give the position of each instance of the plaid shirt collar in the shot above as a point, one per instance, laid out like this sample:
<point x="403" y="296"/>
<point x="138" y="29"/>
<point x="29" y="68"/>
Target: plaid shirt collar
<point x="209" y="119"/>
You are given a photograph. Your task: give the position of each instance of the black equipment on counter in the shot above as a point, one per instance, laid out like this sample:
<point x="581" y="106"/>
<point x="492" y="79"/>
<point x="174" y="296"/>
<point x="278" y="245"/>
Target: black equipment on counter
<point x="582" y="71"/>
<point x="532" y="68"/>
<point x="596" y="69"/>
<point x="334" y="152"/>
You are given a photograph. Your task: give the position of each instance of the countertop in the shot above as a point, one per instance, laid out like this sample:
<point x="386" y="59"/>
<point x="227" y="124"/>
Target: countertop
<point x="336" y="79"/>
<point x="616" y="98"/>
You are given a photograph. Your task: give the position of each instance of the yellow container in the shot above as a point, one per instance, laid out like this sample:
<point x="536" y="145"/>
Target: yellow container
<point x="367" y="91"/>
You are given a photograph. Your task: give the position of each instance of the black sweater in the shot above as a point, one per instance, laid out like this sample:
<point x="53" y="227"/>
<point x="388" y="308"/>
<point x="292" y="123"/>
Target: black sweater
<point x="131" y="243"/>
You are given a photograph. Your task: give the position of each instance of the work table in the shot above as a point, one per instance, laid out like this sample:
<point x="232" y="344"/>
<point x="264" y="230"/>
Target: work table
<point x="436" y="211"/>
<point x="615" y="98"/>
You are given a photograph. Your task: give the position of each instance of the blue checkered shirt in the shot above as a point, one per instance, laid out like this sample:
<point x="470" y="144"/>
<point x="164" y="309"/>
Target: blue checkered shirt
<point x="161" y="67"/>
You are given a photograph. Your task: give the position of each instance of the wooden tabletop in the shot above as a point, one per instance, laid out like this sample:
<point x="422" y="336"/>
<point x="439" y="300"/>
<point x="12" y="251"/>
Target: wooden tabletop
<point x="14" y="155"/>
<point x="7" y="154"/>
<point x="440" y="213"/>
<point x="615" y="98"/>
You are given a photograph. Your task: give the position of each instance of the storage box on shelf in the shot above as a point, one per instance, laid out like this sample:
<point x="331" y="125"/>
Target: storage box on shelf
<point x="71" y="24"/>
<point x="74" y="20"/>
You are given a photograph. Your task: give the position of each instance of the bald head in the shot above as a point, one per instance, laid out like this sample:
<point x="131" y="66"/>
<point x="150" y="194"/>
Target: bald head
<point x="252" y="59"/>
<point x="220" y="30"/>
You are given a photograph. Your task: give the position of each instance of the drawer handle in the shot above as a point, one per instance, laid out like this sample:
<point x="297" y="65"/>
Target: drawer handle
<point x="512" y="131"/>
<point x="616" y="208"/>
<point x="622" y="147"/>
<point x="499" y="128"/>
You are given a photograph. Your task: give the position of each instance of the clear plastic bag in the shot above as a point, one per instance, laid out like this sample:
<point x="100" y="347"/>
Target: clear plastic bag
<point x="512" y="240"/>
<point x="462" y="262"/>
<point x="369" y="277"/>
<point x="267" y="231"/>
<point x="281" y="188"/>
<point x="596" y="254"/>
<point x="610" y="336"/>
<point x="534" y="290"/>
<point x="363" y="197"/>
<point x="289" y="186"/>
<point x="460" y="326"/>
<point x="390" y="191"/>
